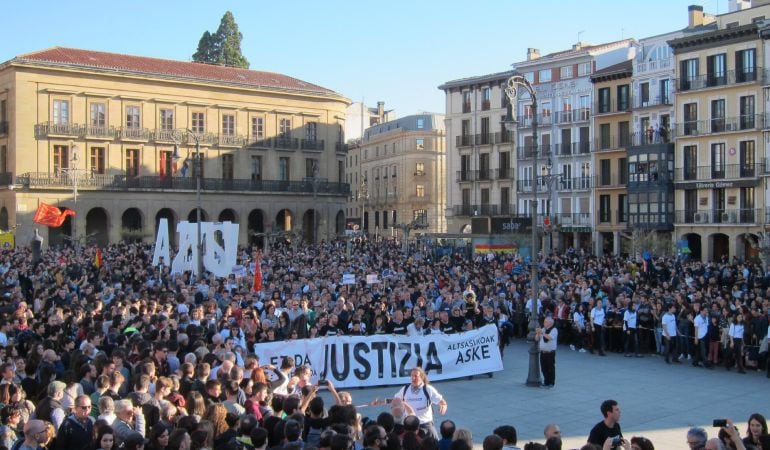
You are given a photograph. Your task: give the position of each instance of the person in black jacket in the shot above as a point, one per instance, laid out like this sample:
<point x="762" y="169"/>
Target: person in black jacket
<point x="77" y="430"/>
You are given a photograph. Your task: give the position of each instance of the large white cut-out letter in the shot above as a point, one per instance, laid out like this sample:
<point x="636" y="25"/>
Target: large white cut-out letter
<point x="188" y="248"/>
<point x="161" y="244"/>
<point x="218" y="260"/>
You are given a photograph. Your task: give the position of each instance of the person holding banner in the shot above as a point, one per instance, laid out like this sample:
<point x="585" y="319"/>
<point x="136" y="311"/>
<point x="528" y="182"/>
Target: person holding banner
<point x="420" y="396"/>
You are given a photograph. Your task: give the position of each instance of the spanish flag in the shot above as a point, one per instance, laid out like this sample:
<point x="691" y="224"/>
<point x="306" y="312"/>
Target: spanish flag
<point x="98" y="258"/>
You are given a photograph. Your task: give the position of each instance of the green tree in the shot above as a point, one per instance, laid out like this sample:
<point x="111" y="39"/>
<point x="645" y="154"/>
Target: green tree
<point x="222" y="47"/>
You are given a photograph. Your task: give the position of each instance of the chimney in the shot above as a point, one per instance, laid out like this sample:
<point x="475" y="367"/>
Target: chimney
<point x="532" y="53"/>
<point x="381" y="111"/>
<point x="695" y="16"/>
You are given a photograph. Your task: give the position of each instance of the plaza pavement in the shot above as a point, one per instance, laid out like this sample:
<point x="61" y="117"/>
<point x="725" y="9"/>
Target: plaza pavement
<point x="657" y="400"/>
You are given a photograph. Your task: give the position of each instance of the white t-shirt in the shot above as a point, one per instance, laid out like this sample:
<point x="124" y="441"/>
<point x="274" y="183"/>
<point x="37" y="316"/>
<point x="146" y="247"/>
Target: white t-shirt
<point x="701" y="326"/>
<point x="416" y="399"/>
<point x="597" y="316"/>
<point x="669" y="324"/>
<point x="629" y="317"/>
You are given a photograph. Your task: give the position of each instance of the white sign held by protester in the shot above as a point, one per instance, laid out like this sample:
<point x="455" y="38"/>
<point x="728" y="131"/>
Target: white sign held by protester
<point x="360" y="361"/>
<point x="372" y="279"/>
<point x="348" y="278"/>
<point x="161" y="244"/>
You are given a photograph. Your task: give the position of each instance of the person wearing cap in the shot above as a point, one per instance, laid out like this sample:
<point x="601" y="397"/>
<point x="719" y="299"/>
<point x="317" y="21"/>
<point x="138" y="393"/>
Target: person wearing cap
<point x="76" y="431"/>
<point x="50" y="408"/>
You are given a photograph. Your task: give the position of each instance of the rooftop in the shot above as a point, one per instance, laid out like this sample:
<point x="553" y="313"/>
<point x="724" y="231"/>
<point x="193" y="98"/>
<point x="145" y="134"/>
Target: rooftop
<point x="165" y="68"/>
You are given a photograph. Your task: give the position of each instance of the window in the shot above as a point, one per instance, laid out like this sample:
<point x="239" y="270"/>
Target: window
<point x="132" y="117"/>
<point x="96" y="160"/>
<point x="228" y="124"/>
<point x="690" y="119"/>
<point x="98" y="115"/>
<point x="504" y="162"/>
<point x="604" y="136"/>
<point x="3" y="110"/>
<point x="484" y="166"/>
<point x="624" y="98"/>
<point x="622" y="208"/>
<point x="419" y="169"/>
<point x="420" y="215"/>
<point x="665" y="92"/>
<point x="486" y="101"/>
<point x="166" y="119"/>
<point x="747" y="159"/>
<point x="420" y="190"/>
<point x="747" y="112"/>
<point x="257" y="128"/>
<point x="311" y="131"/>
<point x="311" y="168"/>
<point x="4" y="158"/>
<point x="466" y="101"/>
<point x="132" y="162"/>
<point x="544" y="76"/>
<point x="284" y="128"/>
<point x="623" y="170"/>
<point x="745" y="65"/>
<point x="61" y="112"/>
<point x="717" y="116"/>
<point x="283" y="169"/>
<point x="419" y="143"/>
<point x="604" y="208"/>
<point x="605" y="176"/>
<point x="688" y="71"/>
<point x="565" y="72"/>
<point x="61" y="159"/>
<point x="530" y="76"/>
<point x="624" y="134"/>
<point x="198" y="122"/>
<point x="227" y="166"/>
<point x="605" y="104"/>
<point x="644" y="94"/>
<point x="718" y="160"/>
<point x="420" y="123"/>
<point x="584" y="69"/>
<point x="256" y="168"/>
<point x="716" y="70"/>
<point x="546" y="111"/>
<point x="690" y="162"/>
<point x="566" y="104"/>
<point x="584" y="103"/>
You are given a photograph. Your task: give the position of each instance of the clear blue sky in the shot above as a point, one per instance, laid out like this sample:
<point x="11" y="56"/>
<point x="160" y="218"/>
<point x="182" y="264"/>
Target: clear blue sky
<point x="396" y="51"/>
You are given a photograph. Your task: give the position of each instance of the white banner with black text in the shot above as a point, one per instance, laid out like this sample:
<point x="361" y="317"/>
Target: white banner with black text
<point x="358" y="361"/>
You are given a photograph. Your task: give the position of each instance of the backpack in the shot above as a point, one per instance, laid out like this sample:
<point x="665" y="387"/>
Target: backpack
<point x="424" y="391"/>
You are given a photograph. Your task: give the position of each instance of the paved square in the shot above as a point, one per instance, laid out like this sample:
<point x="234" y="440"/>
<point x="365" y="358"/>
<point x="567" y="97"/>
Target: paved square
<point x="657" y="400"/>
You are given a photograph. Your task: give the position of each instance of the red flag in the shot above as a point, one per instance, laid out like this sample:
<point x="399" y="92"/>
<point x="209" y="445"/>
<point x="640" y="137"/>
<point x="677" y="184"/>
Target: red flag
<point x="162" y="165"/>
<point x="258" y="277"/>
<point x="51" y="215"/>
<point x="98" y="258"/>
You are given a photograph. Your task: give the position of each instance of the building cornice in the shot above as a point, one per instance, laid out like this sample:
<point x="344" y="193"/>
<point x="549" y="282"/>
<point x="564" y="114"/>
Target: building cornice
<point x="715" y="38"/>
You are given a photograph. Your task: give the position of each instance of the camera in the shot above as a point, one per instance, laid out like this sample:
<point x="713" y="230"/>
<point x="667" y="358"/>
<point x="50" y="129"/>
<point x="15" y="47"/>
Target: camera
<point x="323" y="382"/>
<point x="719" y="423"/>
<point x="617" y="440"/>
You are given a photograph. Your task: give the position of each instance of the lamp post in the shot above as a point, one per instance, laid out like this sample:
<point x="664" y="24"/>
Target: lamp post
<point x="363" y="195"/>
<point x="197" y="163"/>
<point x="515" y="82"/>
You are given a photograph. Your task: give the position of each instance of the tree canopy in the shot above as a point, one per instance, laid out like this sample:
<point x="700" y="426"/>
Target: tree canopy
<point x="222" y="47"/>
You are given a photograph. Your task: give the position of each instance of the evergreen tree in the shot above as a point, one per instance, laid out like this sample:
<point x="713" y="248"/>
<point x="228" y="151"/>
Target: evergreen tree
<point x="222" y="47"/>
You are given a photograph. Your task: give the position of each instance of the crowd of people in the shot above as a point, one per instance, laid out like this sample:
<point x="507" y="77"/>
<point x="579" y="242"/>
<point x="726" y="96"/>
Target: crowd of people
<point x="113" y="353"/>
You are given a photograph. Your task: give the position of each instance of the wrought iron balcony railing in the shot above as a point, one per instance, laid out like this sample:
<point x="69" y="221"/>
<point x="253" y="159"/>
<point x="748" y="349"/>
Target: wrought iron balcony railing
<point x="719" y="172"/>
<point x="719" y="216"/>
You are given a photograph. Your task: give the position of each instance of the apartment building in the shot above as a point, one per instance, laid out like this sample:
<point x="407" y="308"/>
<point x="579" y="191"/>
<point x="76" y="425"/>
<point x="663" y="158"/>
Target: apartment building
<point x="480" y="166"/>
<point x="267" y="148"/>
<point x="718" y="135"/>
<point x="562" y="81"/>
<point x="398" y="175"/>
<point x="359" y="117"/>
<point x="612" y="129"/>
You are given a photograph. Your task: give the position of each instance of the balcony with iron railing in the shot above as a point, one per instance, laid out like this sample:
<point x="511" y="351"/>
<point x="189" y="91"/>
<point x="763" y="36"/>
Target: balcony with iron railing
<point x="47" y="129"/>
<point x="574" y="183"/>
<point x="485" y="209"/>
<point x="618" y="106"/>
<point x="649" y="102"/>
<point x="582" y="219"/>
<point x="167" y="135"/>
<point x="611" y="142"/>
<point x="508" y="209"/>
<point x="714" y="80"/>
<point x="316" y="145"/>
<point x="611" y="218"/>
<point x="653" y="65"/>
<point x="718" y="172"/>
<point x="340" y="147"/>
<point x="742" y="216"/>
<point x="572" y="148"/>
<point x="286" y="143"/>
<point x="41" y="180"/>
<point x="652" y="220"/>
<point x="474" y="175"/>
<point x="261" y="142"/>
<point x="98" y="132"/>
<point x="651" y="136"/>
<point x="747" y="122"/>
<point x="526" y="121"/>
<point x="133" y="134"/>
<point x="528" y="151"/>
<point x="231" y="140"/>
<point x="610" y="180"/>
<point x="508" y="173"/>
<point x="572" y="116"/>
